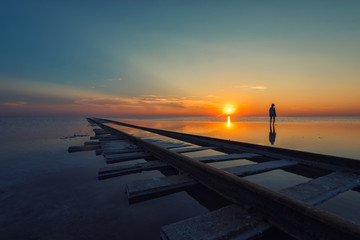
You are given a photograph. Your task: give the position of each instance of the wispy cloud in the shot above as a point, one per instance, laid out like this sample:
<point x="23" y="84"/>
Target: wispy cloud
<point x="252" y="87"/>
<point x="148" y="101"/>
<point x="159" y="98"/>
<point x="258" y="87"/>
<point x="49" y="98"/>
<point x="106" y="101"/>
<point x="152" y="104"/>
<point x="15" y="104"/>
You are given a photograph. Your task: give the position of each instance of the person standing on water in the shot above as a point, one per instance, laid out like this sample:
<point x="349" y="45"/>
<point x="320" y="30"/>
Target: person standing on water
<point x="272" y="113"/>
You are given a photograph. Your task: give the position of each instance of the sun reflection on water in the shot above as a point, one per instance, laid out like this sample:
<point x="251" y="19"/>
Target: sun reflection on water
<point x="228" y="123"/>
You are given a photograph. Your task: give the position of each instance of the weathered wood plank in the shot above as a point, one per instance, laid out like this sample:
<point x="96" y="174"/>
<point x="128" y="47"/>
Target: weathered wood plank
<point x="132" y="153"/>
<point x="83" y="148"/>
<point x="321" y="189"/>
<point x="216" y="158"/>
<point x="121" y="146"/>
<point x="110" y="137"/>
<point x="126" y="157"/>
<point x="232" y="222"/>
<point x="142" y="188"/>
<point x="106" y="137"/>
<point x="192" y="149"/>
<point x="92" y="143"/>
<point x="131" y="168"/>
<point x="226" y="157"/>
<point x="100" y="131"/>
<point x="168" y="144"/>
<point x="113" y="150"/>
<point x="138" y="167"/>
<point x="116" y="144"/>
<point x="174" y="145"/>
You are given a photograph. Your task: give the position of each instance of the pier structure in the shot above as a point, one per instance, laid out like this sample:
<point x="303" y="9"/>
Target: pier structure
<point x="253" y="209"/>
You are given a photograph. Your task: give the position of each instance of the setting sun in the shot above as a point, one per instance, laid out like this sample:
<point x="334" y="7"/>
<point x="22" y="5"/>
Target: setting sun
<point x="228" y="109"/>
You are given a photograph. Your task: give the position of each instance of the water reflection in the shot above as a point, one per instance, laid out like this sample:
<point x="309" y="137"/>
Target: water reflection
<point x="327" y="137"/>
<point x="272" y="134"/>
<point x="228" y="121"/>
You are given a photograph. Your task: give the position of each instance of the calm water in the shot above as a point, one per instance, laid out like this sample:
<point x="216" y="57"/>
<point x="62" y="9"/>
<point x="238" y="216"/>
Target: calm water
<point x="337" y="136"/>
<point x="47" y="193"/>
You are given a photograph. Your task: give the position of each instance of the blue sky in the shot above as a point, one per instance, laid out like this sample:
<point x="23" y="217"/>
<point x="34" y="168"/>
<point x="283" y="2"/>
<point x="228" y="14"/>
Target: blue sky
<point x="205" y="53"/>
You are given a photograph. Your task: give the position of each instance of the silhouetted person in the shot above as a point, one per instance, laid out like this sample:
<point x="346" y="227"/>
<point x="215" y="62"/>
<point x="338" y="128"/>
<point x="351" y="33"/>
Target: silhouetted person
<point x="272" y="113"/>
<point x="272" y="134"/>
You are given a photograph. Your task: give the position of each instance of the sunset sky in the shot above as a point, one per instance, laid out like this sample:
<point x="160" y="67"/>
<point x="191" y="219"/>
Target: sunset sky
<point x="179" y="58"/>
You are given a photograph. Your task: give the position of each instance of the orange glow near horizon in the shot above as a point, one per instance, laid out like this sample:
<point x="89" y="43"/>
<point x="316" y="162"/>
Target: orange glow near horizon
<point x="122" y="107"/>
<point x="63" y="100"/>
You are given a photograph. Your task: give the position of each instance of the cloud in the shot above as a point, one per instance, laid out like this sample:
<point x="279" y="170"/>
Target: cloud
<point x="258" y="87"/>
<point x="151" y="104"/>
<point x="167" y="105"/>
<point x="15" y="104"/>
<point x="106" y="101"/>
<point x="148" y="101"/>
<point x="252" y="87"/>
<point x="49" y="98"/>
<point x="159" y="98"/>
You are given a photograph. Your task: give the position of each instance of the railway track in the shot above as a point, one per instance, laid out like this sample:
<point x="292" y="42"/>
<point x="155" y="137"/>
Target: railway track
<point x="254" y="208"/>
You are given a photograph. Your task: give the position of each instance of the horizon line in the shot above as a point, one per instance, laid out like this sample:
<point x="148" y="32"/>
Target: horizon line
<point x="170" y="116"/>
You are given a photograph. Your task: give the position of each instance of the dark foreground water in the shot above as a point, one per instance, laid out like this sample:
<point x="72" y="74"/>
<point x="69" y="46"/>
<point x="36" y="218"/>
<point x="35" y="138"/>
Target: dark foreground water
<point x="47" y="193"/>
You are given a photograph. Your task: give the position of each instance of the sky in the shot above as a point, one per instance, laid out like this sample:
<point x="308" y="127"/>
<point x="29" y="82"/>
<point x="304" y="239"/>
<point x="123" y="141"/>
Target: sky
<point x="179" y="58"/>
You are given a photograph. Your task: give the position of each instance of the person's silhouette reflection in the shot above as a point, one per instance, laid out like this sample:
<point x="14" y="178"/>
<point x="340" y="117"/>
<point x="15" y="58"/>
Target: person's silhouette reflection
<point x="272" y="134"/>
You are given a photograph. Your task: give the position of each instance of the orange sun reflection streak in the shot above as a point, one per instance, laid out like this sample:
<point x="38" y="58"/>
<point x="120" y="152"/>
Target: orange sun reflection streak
<point x="228" y="121"/>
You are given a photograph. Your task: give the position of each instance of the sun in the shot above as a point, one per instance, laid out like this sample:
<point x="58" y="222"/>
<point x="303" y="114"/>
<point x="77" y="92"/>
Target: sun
<point x="228" y="110"/>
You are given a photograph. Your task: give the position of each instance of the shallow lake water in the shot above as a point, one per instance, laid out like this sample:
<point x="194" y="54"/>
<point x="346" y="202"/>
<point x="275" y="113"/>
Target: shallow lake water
<point x="338" y="136"/>
<point x="48" y="193"/>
